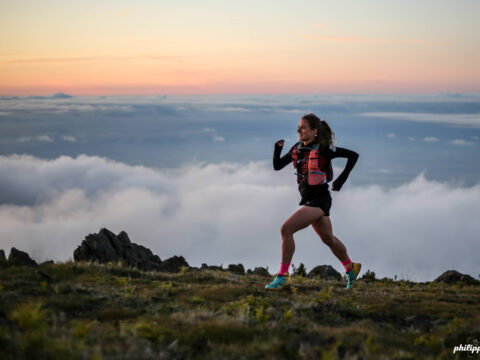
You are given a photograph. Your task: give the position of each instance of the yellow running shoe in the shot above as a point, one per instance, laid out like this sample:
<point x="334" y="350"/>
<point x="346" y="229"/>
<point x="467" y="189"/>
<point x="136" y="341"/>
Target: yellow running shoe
<point x="352" y="274"/>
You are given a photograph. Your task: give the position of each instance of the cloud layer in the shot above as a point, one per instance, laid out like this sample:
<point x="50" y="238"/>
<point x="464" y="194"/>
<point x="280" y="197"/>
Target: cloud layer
<point x="231" y="213"/>
<point x="471" y="120"/>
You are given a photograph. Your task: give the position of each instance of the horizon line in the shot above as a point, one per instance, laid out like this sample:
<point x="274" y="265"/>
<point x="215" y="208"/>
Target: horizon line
<point x="72" y="94"/>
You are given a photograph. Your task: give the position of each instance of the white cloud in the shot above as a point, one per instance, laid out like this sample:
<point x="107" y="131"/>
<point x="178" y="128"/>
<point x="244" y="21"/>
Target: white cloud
<point x="461" y="142"/>
<point x="454" y="119"/>
<point x="45" y="138"/>
<point x="230" y="109"/>
<point x="391" y="136"/>
<point x="411" y="138"/>
<point x="431" y="139"/>
<point x="69" y="138"/>
<point x="231" y="213"/>
<point x="25" y="139"/>
<point x="215" y="136"/>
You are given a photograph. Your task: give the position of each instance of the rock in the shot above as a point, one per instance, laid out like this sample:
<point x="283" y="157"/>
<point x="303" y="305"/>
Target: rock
<point x="18" y="257"/>
<point x="453" y="276"/>
<point x="420" y="321"/>
<point x="440" y="322"/>
<point x="211" y="267"/>
<point x="44" y="275"/>
<point x="2" y="256"/>
<point x="106" y="247"/>
<point x="326" y="272"/>
<point x="236" y="269"/>
<point x="48" y="262"/>
<point x="173" y="264"/>
<point x="261" y="271"/>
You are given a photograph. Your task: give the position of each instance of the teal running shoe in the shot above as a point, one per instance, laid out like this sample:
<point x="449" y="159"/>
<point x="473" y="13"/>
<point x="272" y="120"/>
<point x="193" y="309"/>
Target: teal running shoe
<point x="353" y="274"/>
<point x="278" y="283"/>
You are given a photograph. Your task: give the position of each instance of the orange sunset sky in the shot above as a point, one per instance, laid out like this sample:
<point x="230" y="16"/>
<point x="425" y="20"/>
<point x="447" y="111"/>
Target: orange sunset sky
<point x="238" y="47"/>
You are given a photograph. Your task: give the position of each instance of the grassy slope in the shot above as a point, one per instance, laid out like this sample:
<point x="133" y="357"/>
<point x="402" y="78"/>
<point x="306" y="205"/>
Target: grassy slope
<point x="112" y="312"/>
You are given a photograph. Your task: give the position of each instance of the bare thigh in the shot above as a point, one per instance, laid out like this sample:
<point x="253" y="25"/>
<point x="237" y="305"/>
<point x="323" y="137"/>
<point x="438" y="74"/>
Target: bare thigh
<point x="323" y="227"/>
<point x="302" y="218"/>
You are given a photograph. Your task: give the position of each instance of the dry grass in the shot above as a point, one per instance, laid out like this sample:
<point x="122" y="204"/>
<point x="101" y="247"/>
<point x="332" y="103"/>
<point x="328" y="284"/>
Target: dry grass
<point x="89" y="311"/>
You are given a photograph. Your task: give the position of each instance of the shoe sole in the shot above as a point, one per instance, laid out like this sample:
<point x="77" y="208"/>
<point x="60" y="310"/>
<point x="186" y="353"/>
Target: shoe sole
<point x="359" y="269"/>
<point x="356" y="274"/>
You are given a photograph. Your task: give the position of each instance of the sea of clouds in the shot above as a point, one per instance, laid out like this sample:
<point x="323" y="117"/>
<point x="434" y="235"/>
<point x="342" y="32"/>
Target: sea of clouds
<point x="231" y="212"/>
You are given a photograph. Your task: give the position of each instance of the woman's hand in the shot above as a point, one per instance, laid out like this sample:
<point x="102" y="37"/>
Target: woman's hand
<point x="280" y="143"/>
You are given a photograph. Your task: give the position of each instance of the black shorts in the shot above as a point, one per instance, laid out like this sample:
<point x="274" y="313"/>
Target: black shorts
<point x="324" y="203"/>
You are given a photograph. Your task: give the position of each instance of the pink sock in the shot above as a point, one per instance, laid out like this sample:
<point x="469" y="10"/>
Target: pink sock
<point x="283" y="269"/>
<point x="347" y="264"/>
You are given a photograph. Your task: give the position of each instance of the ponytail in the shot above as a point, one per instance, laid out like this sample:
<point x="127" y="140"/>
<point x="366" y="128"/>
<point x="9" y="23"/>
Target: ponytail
<point x="325" y="135"/>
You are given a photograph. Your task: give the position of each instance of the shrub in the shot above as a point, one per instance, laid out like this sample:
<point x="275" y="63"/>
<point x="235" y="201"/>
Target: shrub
<point x="300" y="271"/>
<point x="369" y="275"/>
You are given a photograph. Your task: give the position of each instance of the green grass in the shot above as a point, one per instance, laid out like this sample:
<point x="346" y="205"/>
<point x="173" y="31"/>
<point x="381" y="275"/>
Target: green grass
<point x="92" y="311"/>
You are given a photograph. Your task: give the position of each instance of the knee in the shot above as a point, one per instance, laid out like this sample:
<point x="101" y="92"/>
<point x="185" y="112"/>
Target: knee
<point x="285" y="230"/>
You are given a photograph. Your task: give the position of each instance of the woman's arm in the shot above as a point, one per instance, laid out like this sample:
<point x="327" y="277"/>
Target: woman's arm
<point x="352" y="158"/>
<point x="280" y="162"/>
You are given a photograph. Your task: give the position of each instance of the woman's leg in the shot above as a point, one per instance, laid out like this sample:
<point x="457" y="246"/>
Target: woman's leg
<point x="300" y="219"/>
<point x="323" y="228"/>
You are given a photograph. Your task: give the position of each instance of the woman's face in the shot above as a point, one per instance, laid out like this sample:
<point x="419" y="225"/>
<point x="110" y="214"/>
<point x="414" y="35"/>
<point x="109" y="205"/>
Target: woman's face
<point x="305" y="133"/>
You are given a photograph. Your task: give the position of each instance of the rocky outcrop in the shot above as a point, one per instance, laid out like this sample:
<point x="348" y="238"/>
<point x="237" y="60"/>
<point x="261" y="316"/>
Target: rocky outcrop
<point x="260" y="271"/>
<point x="2" y="256"/>
<point x="18" y="257"/>
<point x="236" y="269"/>
<point x="326" y="272"/>
<point x="211" y="267"/>
<point x="107" y="247"/>
<point x="173" y="264"/>
<point x="453" y="276"/>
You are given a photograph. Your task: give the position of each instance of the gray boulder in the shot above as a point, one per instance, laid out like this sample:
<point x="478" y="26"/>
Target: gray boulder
<point x="106" y="247"/>
<point x="326" y="272"/>
<point x="453" y="276"/>
<point x="18" y="257"/>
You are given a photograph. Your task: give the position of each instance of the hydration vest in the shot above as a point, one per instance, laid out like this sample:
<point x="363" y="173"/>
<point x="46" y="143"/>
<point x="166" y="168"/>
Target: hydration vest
<point x="314" y="175"/>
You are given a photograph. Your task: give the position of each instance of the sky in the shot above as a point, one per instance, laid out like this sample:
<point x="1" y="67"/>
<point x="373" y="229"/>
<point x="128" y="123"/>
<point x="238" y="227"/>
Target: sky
<point x="231" y="47"/>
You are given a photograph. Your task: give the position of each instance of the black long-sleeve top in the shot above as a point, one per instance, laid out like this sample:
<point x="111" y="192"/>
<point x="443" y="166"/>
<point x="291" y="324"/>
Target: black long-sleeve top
<point x="325" y="154"/>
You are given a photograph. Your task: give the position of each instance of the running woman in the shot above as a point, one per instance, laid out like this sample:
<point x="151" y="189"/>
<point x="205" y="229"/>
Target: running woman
<point x="312" y="157"/>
